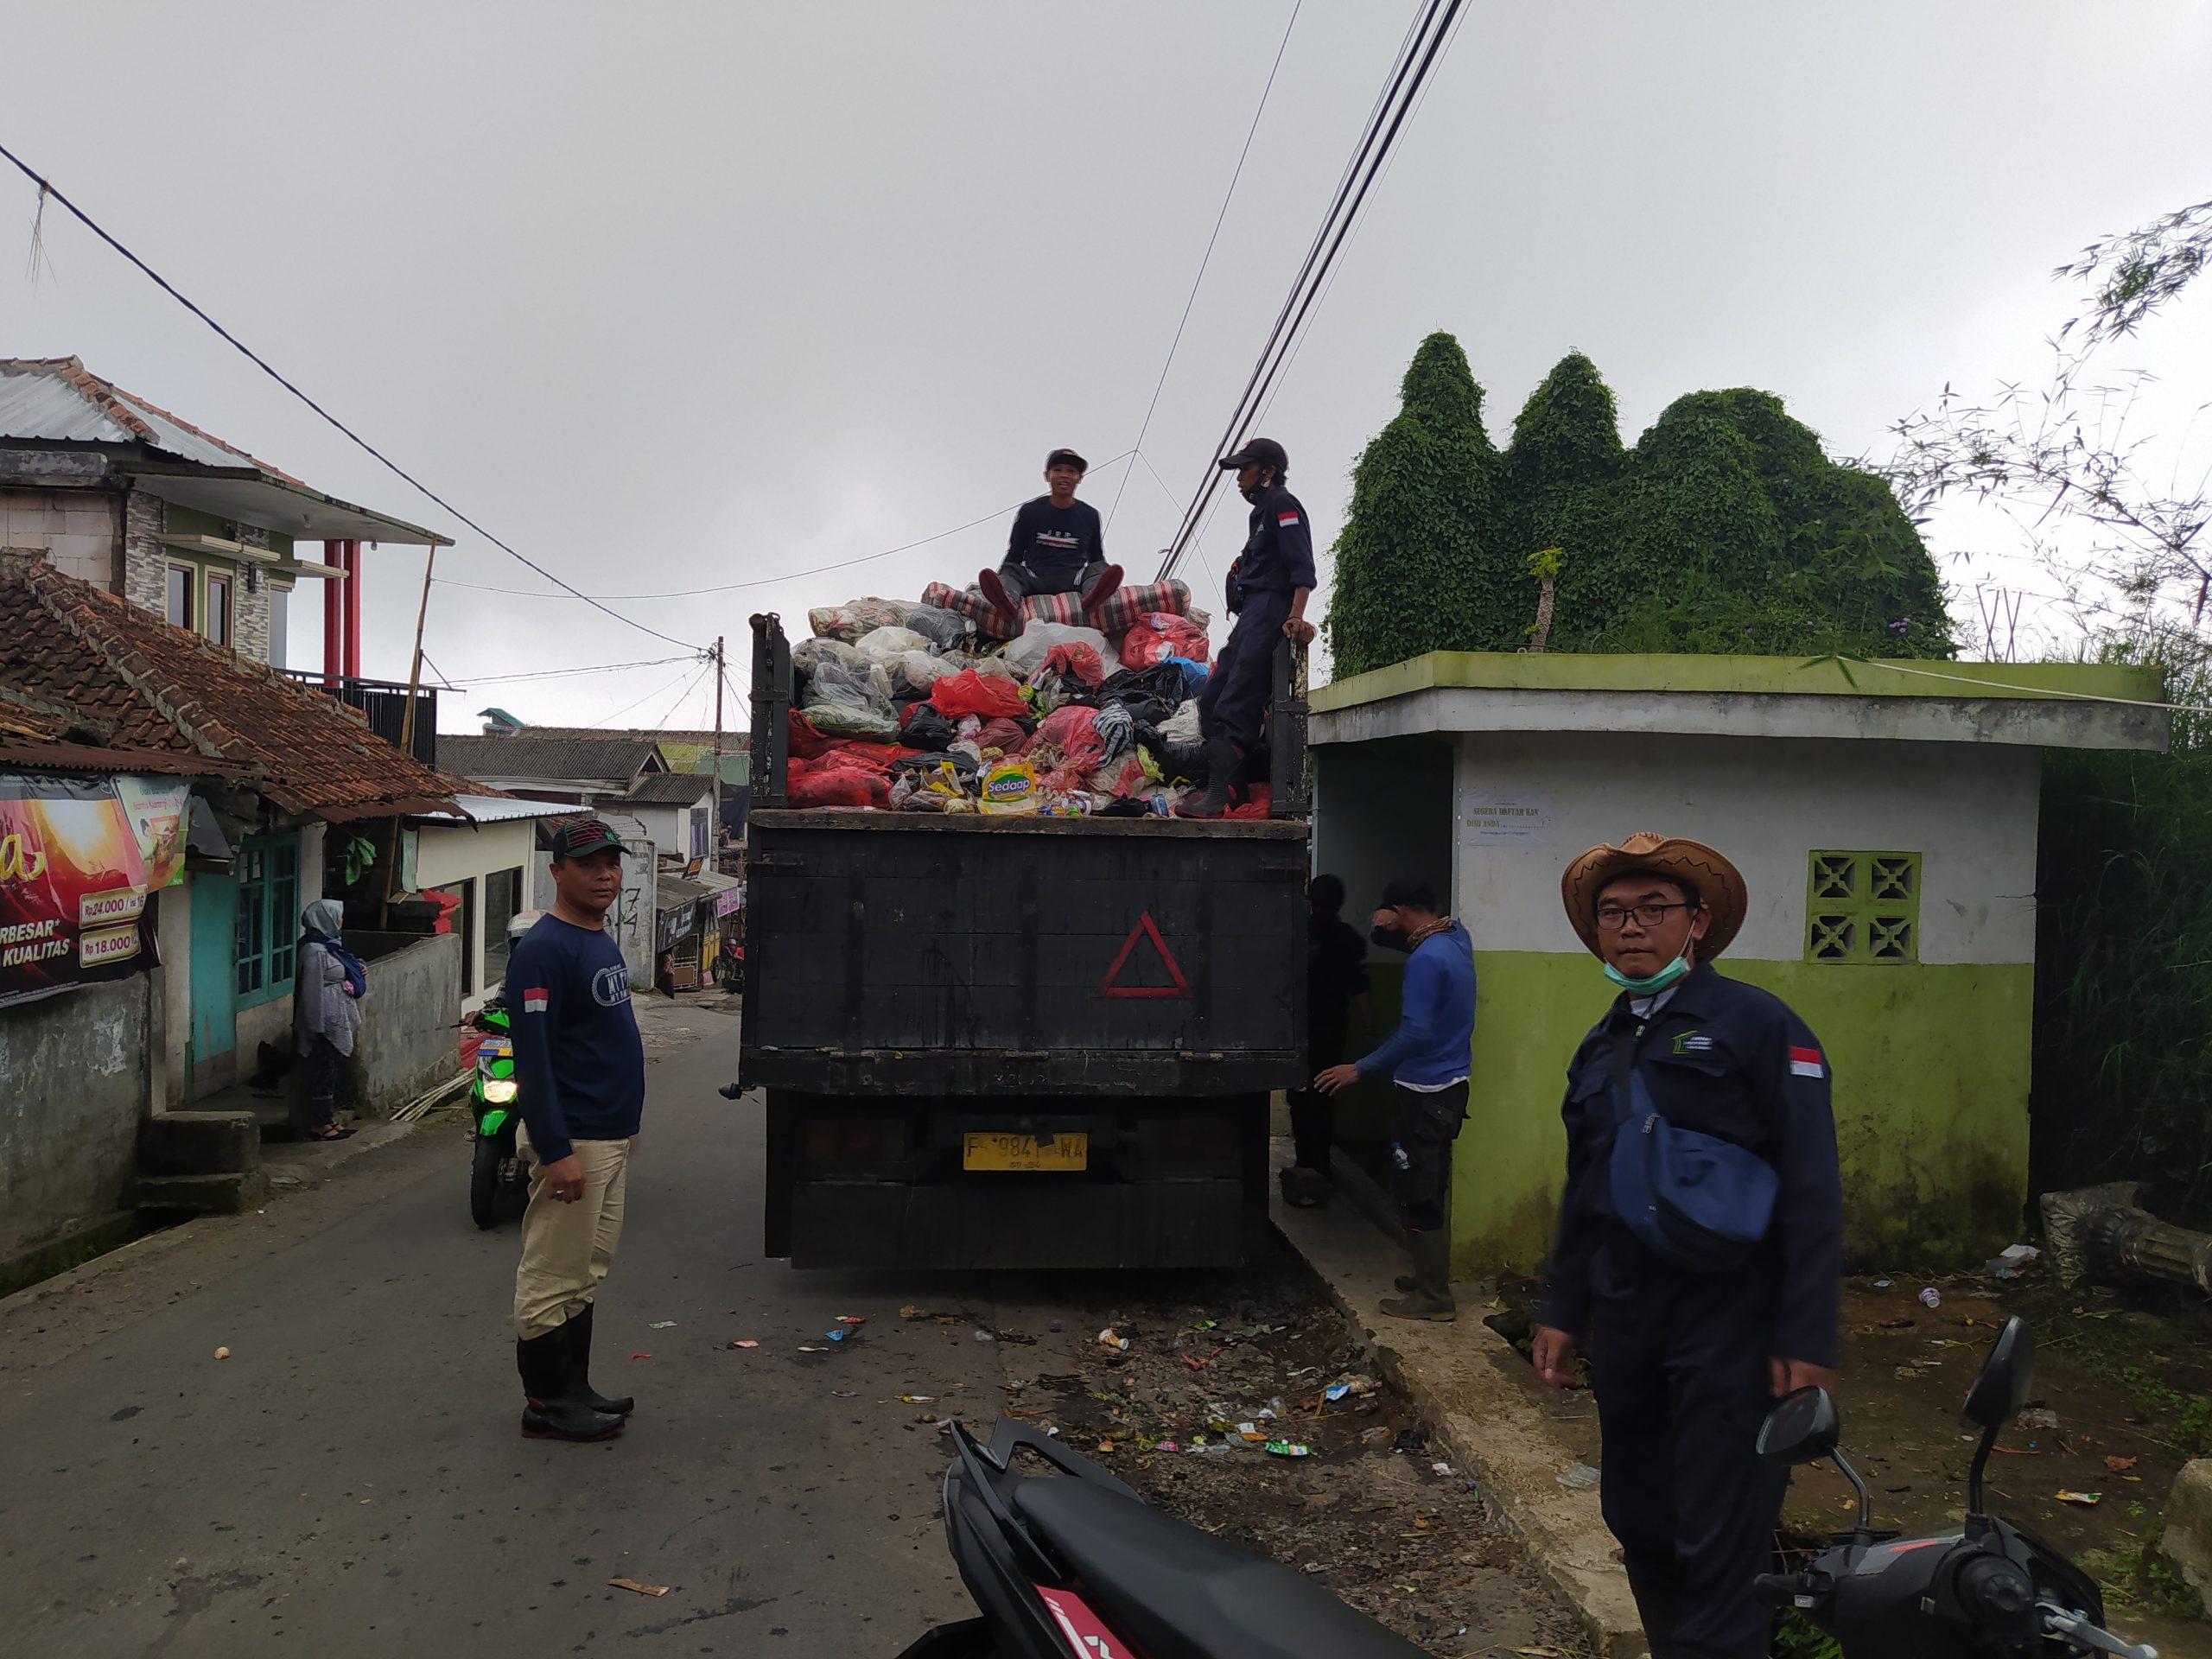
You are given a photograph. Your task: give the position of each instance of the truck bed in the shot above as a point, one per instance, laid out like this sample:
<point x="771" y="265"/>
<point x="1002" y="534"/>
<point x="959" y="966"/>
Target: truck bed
<point x="908" y="954"/>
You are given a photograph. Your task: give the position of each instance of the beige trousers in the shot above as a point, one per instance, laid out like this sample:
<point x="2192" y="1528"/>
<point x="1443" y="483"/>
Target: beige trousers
<point x="568" y="1247"/>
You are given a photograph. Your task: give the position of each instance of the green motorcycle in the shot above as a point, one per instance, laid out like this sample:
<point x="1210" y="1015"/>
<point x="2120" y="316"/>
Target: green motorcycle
<point x="498" y="1180"/>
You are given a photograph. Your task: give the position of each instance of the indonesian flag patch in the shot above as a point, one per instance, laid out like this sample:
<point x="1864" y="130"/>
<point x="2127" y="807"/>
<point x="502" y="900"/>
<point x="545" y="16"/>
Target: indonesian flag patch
<point x="534" y="1001"/>
<point x="1285" y="520"/>
<point x="1806" y="1063"/>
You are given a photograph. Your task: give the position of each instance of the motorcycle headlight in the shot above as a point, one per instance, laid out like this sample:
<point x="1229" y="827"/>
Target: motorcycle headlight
<point x="499" y="1090"/>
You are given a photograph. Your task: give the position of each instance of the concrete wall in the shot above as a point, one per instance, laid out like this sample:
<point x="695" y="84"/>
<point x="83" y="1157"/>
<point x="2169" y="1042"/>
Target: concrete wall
<point x="78" y="531"/>
<point x="445" y="857"/>
<point x="1929" y="1058"/>
<point x="409" y="1038"/>
<point x="72" y="1088"/>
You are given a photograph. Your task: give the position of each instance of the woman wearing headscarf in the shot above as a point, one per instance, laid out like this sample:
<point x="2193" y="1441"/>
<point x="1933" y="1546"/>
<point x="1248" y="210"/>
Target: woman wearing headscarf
<point x="326" y="1010"/>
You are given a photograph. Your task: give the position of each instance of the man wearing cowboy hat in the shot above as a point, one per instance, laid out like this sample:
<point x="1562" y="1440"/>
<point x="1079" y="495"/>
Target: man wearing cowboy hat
<point x="1701" y="1300"/>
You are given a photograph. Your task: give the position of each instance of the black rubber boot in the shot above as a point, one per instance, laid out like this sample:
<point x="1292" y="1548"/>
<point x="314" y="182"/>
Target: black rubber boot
<point x="579" y="1333"/>
<point x="550" y="1410"/>
<point x="1222" y="756"/>
<point x="1430" y="1296"/>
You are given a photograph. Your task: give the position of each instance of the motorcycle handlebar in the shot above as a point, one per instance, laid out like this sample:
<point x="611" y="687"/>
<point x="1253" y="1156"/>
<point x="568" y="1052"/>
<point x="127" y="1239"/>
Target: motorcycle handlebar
<point x="2072" y="1628"/>
<point x="1777" y="1589"/>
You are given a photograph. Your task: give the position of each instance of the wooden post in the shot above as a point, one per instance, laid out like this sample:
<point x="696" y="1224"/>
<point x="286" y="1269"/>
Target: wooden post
<point x="407" y="733"/>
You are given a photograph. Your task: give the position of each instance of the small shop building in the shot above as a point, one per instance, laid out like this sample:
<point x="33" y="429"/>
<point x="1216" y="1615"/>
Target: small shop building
<point x="1885" y="818"/>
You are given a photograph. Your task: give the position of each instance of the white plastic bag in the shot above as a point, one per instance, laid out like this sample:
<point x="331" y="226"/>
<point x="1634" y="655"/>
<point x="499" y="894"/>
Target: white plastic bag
<point x="1028" y="653"/>
<point x="881" y="644"/>
<point x="850" y="621"/>
<point x="1182" y="726"/>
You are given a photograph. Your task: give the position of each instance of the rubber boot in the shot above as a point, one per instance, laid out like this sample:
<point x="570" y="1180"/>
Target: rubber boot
<point x="1431" y="1295"/>
<point x="579" y="1333"/>
<point x="1222" y="756"/>
<point x="550" y="1409"/>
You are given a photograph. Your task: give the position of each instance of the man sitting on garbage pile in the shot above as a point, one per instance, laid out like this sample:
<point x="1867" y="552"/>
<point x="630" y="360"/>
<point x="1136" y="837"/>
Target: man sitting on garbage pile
<point x="1268" y="585"/>
<point x="1057" y="546"/>
<point x="1699" y="1236"/>
<point x="1428" y="1058"/>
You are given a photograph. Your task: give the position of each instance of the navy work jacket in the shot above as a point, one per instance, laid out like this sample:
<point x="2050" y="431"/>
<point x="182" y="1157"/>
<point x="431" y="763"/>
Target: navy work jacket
<point x="1732" y="1061"/>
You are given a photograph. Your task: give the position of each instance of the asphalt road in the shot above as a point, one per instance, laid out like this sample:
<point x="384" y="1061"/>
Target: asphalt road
<point x="350" y="1480"/>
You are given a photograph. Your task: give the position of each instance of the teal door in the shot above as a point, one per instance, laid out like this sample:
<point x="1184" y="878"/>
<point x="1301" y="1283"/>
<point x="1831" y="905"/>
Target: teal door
<point x="211" y="1058"/>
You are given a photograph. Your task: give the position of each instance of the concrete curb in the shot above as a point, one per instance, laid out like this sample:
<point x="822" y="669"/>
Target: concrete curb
<point x="1466" y="1382"/>
<point x="302" y="1164"/>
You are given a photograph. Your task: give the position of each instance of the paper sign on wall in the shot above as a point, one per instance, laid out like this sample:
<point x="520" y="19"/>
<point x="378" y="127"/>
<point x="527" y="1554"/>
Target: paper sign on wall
<point x="1491" y="812"/>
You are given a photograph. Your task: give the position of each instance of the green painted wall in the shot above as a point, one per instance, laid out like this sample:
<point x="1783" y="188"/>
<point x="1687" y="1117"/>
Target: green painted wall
<point x="1931" y="1066"/>
<point x="191" y="521"/>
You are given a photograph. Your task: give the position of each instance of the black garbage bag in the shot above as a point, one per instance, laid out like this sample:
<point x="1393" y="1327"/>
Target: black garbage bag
<point x="927" y="729"/>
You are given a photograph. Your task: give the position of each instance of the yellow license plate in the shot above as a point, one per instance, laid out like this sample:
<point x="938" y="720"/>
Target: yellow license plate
<point x="994" y="1151"/>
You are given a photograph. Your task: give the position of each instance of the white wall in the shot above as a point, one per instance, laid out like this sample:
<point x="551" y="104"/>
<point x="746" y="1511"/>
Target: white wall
<point x="668" y="827"/>
<point x="1970" y="809"/>
<point x="446" y="855"/>
<point x="78" y="529"/>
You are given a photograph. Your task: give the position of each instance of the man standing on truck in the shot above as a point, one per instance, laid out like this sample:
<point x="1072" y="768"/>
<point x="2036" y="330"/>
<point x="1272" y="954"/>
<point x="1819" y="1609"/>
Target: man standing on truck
<point x="1699" y="1301"/>
<point x="1057" y="546"/>
<point x="1428" y="1059"/>
<point x="581" y="1066"/>
<point x="1268" y="587"/>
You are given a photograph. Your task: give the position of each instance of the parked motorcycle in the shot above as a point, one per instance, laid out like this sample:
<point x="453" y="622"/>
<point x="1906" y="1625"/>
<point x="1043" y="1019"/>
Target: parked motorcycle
<point x="498" y="1180"/>
<point x="1071" y="1564"/>
<point x="1992" y="1589"/>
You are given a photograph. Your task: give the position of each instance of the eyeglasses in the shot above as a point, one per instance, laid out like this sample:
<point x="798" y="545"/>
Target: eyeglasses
<point x="1612" y="918"/>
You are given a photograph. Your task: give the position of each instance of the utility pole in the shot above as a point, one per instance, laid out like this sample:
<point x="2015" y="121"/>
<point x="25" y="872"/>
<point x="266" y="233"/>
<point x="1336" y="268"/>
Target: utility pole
<point x="714" y="798"/>
<point x="407" y="732"/>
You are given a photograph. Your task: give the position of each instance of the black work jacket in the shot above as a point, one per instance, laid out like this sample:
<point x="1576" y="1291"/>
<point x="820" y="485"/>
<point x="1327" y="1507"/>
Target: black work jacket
<point x="1732" y="1061"/>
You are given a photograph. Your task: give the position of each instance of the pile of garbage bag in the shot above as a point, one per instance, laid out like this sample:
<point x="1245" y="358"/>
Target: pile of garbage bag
<point x="919" y="708"/>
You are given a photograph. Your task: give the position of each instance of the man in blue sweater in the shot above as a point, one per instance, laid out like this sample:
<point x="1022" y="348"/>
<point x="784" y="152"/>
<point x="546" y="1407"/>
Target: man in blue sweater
<point x="581" y="1066"/>
<point x="1428" y="1058"/>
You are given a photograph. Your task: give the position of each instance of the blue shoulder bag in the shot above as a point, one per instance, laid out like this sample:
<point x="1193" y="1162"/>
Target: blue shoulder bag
<point x="1696" y="1201"/>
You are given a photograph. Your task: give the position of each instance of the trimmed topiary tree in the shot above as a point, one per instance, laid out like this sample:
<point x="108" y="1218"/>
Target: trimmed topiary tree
<point x="1726" y="528"/>
<point x="1414" y="556"/>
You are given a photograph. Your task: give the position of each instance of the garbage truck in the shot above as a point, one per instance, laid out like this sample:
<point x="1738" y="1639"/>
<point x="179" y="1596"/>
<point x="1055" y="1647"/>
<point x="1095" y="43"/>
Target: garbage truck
<point x="1023" y="1040"/>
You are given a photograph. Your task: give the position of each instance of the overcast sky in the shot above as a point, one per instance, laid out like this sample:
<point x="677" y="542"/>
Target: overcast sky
<point x="672" y="296"/>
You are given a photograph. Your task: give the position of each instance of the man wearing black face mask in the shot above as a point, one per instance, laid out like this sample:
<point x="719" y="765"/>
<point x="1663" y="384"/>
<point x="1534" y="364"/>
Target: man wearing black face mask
<point x="1268" y="585"/>
<point x="1428" y="1058"/>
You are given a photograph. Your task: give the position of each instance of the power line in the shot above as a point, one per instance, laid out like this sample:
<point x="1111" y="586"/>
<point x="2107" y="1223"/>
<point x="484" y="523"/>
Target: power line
<point x="360" y="442"/>
<point x="1207" y="258"/>
<point x="1417" y="61"/>
<point x="770" y="581"/>
<point x="565" y="673"/>
<point x="682" y="697"/>
<point x="648" y="697"/>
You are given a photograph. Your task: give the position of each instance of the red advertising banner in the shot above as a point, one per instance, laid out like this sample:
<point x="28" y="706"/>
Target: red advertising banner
<point x="74" y="907"/>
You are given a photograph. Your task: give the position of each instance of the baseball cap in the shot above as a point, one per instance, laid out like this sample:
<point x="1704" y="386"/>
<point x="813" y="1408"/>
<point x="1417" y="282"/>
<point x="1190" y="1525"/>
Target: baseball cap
<point x="1257" y="452"/>
<point x="1066" y="458"/>
<point x="581" y="837"/>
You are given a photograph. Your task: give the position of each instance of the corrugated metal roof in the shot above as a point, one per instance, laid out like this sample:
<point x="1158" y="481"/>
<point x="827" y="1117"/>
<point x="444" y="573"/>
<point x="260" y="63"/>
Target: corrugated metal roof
<point x="35" y="405"/>
<point x="501" y="809"/>
<point x="60" y="400"/>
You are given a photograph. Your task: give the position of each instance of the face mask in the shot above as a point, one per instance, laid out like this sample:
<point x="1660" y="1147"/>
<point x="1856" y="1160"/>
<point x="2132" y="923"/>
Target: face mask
<point x="1388" y="937"/>
<point x="1653" y="982"/>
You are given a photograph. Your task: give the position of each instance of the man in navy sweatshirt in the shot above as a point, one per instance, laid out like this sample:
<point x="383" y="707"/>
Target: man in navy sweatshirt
<point x="581" y="1066"/>
<point x="1057" y="546"/>
<point x="1428" y="1058"/>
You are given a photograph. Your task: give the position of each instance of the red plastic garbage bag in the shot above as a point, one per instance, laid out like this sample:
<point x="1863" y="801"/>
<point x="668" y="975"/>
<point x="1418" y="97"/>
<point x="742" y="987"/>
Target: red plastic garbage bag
<point x="970" y="693"/>
<point x="1078" y="661"/>
<point x="1259" y="799"/>
<point x="1072" y="731"/>
<point x="805" y="742"/>
<point x="840" y="786"/>
<point x="845" y="760"/>
<point x="1001" y="735"/>
<point x="1158" y="635"/>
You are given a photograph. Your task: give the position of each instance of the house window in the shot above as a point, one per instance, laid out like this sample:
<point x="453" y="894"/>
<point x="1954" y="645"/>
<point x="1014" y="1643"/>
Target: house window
<point x="269" y="916"/>
<point x="183" y="578"/>
<point x="699" y="848"/>
<point x="1863" y="907"/>
<point x="502" y="903"/>
<point x="219" y="608"/>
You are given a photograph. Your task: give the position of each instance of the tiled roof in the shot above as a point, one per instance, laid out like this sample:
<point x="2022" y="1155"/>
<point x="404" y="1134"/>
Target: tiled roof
<point x="581" y="756"/>
<point x="144" y="686"/>
<point x="734" y="739"/>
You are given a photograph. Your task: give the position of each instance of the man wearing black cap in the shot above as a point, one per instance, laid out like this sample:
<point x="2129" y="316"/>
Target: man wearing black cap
<point x="1268" y="585"/>
<point x="1057" y="546"/>
<point x="581" y="1066"/>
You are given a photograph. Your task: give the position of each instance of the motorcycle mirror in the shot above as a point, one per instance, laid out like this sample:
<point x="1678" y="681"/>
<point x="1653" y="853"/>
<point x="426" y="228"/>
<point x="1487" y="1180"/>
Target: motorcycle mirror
<point x="1803" y="1428"/>
<point x="2001" y="1387"/>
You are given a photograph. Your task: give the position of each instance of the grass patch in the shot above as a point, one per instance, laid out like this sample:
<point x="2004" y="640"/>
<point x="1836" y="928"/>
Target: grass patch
<point x="1797" y="1637"/>
<point x="2139" y="1576"/>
